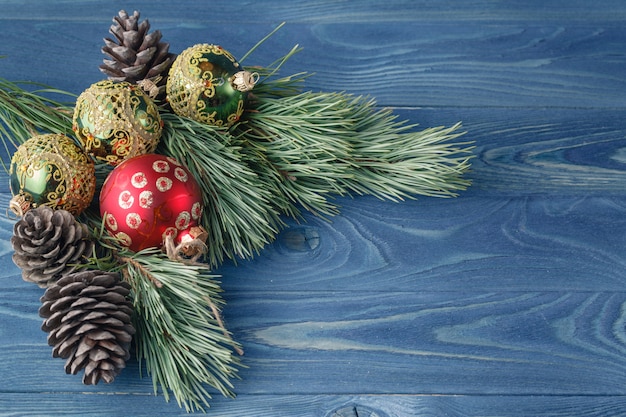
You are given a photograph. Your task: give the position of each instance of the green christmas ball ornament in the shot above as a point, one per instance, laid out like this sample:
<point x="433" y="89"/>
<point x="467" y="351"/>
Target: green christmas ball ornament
<point x="116" y="121"/>
<point x="207" y="84"/>
<point x="51" y="170"/>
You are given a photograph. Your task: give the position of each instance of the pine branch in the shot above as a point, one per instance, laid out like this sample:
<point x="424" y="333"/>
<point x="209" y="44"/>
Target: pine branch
<point x="24" y="113"/>
<point x="180" y="335"/>
<point x="393" y="160"/>
<point x="237" y="211"/>
<point x="303" y="143"/>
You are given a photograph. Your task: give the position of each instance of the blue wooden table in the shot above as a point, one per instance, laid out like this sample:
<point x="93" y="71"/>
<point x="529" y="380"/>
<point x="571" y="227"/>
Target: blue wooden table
<point x="506" y="301"/>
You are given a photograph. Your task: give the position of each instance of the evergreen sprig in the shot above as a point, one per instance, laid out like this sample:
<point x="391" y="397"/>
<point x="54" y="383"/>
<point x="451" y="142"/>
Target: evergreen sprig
<point x="28" y="108"/>
<point x="293" y="151"/>
<point x="237" y="211"/>
<point x="180" y="335"/>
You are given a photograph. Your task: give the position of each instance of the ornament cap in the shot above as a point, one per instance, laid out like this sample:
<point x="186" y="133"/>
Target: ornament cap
<point x="20" y="203"/>
<point x="244" y="80"/>
<point x="195" y="242"/>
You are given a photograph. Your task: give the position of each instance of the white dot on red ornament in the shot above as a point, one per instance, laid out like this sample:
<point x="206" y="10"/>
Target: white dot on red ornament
<point x="124" y="239"/>
<point x="111" y="222"/>
<point x="146" y="199"/>
<point x="163" y="184"/>
<point x="139" y="180"/>
<point x="126" y="199"/>
<point x="170" y="231"/>
<point x="160" y="166"/>
<point x="183" y="219"/>
<point x="180" y="174"/>
<point x="196" y="210"/>
<point x="133" y="220"/>
<point x="173" y="161"/>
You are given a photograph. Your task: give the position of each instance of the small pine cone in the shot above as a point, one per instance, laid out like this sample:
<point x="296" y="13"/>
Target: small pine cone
<point x="88" y="317"/>
<point x="49" y="244"/>
<point x="135" y="54"/>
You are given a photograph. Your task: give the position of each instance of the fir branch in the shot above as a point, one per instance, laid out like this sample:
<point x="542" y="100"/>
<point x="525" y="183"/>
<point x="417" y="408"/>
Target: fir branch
<point x="180" y="335"/>
<point x="393" y="160"/>
<point x="237" y="211"/>
<point x="25" y="113"/>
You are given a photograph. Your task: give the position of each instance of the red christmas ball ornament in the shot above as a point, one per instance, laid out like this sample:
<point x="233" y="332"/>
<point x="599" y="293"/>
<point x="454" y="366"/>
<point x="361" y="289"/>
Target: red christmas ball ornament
<point x="148" y="197"/>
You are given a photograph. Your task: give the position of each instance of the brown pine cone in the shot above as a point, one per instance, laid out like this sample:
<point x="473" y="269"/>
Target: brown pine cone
<point x="49" y="244"/>
<point x="136" y="55"/>
<point x="88" y="317"/>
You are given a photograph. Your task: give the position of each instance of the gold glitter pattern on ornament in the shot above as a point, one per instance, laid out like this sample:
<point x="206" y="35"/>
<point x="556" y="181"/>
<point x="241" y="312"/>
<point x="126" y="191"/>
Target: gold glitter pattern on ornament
<point x="133" y="220"/>
<point x="51" y="170"/>
<point x="142" y="202"/>
<point x="180" y="174"/>
<point x="200" y="86"/>
<point x="196" y="211"/>
<point x="182" y="221"/>
<point x="139" y="180"/>
<point x="115" y="121"/>
<point x="111" y="222"/>
<point x="126" y="200"/>
<point x="160" y="166"/>
<point x="146" y="199"/>
<point x="163" y="184"/>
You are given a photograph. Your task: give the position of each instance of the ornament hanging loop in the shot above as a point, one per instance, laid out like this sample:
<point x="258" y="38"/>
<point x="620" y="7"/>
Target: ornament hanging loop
<point x="192" y="246"/>
<point x="244" y="80"/>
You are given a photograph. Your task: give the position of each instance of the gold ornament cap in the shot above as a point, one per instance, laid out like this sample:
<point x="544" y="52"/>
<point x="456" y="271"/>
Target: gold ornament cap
<point x="244" y="80"/>
<point x="20" y="204"/>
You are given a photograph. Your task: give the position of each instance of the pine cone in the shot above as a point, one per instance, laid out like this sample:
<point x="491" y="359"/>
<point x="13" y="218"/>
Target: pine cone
<point x="88" y="318"/>
<point x="49" y="244"/>
<point x="137" y="55"/>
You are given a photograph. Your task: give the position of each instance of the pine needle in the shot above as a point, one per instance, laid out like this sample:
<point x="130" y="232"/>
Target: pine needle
<point x="180" y="338"/>
<point x="293" y="151"/>
<point x="24" y="113"/>
<point x="237" y="211"/>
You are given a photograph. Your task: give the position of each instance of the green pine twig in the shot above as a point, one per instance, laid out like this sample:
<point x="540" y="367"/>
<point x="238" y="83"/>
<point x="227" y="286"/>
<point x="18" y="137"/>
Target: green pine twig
<point x="393" y="160"/>
<point x="237" y="211"/>
<point x="24" y="113"/>
<point x="180" y="336"/>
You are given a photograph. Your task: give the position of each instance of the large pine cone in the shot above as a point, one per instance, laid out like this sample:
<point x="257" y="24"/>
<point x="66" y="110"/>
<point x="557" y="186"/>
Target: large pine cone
<point x="88" y="318"/>
<point x="49" y="244"/>
<point x="137" y="55"/>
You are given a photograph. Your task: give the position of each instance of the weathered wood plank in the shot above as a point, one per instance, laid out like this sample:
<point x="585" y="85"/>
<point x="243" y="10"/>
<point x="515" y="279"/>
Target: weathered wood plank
<point x="49" y="405"/>
<point x="303" y="11"/>
<point x="500" y="64"/>
<point x="417" y="341"/>
<point x="474" y="306"/>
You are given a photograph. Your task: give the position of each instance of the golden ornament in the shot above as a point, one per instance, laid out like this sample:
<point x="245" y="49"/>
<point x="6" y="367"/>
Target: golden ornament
<point x="116" y="120"/>
<point x="207" y="84"/>
<point x="51" y="170"/>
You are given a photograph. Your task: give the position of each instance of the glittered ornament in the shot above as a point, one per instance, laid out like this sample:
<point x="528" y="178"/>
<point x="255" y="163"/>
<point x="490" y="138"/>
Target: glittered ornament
<point x="207" y="84"/>
<point x="147" y="198"/>
<point x="51" y="170"/>
<point x="116" y="120"/>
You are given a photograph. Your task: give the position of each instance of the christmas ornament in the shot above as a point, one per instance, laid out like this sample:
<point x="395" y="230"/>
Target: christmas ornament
<point x="88" y="317"/>
<point x="49" y="244"/>
<point x="115" y="121"/>
<point x="135" y="55"/>
<point x="207" y="84"/>
<point x="51" y="170"/>
<point x="147" y="198"/>
<point x="295" y="152"/>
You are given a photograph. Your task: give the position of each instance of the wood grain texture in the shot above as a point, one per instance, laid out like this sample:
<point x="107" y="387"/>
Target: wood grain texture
<point x="510" y="57"/>
<point x="506" y="301"/>
<point x="322" y="406"/>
